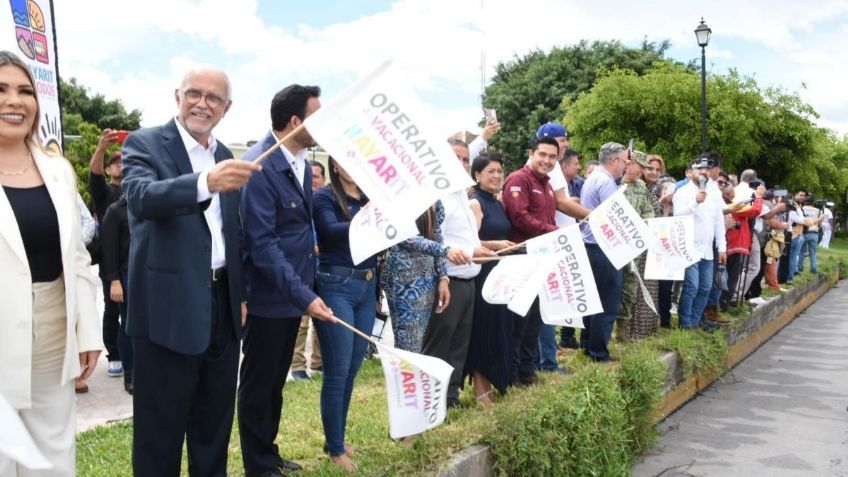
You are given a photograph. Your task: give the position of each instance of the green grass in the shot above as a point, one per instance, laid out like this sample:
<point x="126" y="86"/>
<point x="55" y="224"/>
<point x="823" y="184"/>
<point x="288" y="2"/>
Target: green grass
<point x="593" y="422"/>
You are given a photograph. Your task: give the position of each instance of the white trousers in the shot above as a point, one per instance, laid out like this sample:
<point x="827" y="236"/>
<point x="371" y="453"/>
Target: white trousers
<point x="825" y="241"/>
<point x="51" y="420"/>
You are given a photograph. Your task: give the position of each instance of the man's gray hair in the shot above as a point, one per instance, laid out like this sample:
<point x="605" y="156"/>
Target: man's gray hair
<point x="608" y="151"/>
<point x="748" y="175"/>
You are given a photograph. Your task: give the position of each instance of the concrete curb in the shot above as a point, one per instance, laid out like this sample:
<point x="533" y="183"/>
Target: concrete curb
<point x="744" y="337"/>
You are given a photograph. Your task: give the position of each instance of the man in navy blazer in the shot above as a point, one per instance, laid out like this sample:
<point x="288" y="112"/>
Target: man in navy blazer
<point x="185" y="294"/>
<point x="279" y="270"/>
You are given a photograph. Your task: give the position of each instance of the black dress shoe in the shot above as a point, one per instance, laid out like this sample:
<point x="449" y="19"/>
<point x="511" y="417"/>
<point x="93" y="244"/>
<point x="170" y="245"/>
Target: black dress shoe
<point x="287" y="465"/>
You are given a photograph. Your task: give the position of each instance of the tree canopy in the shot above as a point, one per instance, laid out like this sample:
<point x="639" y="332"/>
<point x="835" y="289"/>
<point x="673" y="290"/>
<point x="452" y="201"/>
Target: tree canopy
<point x="528" y="92"/>
<point x="768" y="130"/>
<point x="85" y="115"/>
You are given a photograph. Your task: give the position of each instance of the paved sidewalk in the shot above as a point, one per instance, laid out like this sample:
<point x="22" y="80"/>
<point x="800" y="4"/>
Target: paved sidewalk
<point x="782" y="412"/>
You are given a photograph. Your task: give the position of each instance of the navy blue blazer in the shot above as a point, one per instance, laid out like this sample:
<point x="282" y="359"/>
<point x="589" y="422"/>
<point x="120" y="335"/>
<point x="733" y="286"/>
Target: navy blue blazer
<point x="169" y="278"/>
<point x="278" y="248"/>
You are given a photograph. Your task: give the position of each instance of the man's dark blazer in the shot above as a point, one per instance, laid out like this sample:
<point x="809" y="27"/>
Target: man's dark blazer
<point x="276" y="214"/>
<point x="169" y="279"/>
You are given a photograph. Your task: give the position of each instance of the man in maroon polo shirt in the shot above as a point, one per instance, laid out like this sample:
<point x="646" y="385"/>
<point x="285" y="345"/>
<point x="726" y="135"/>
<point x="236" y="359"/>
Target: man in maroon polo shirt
<point x="530" y="204"/>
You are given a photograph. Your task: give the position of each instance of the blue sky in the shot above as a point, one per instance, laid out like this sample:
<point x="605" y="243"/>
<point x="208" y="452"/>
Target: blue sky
<point x="138" y="51"/>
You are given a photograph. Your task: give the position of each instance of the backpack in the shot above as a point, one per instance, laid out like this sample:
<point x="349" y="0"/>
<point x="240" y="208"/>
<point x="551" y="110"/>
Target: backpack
<point x="775" y="244"/>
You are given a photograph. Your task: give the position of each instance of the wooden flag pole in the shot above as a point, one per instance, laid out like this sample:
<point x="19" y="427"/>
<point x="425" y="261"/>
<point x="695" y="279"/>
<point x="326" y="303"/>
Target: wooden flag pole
<point x="352" y="328"/>
<point x="485" y="259"/>
<point x="278" y="144"/>
<point x="511" y="248"/>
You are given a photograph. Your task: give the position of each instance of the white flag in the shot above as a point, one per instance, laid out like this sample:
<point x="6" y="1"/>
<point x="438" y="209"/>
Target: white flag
<point x="618" y="229"/>
<point x="371" y="232"/>
<point x="567" y="291"/>
<point x="673" y="248"/>
<point x="378" y="133"/>
<point x="514" y="282"/>
<point x="417" y="390"/>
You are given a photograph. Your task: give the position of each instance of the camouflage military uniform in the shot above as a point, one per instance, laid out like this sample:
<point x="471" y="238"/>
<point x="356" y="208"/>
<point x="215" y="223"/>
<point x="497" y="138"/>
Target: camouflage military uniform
<point x="637" y="194"/>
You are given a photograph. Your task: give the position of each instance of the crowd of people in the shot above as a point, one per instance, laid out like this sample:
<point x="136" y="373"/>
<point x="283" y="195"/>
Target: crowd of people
<point x="203" y="256"/>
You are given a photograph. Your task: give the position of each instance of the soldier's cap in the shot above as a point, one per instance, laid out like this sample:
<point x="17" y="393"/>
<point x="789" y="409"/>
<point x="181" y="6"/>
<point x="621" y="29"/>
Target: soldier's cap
<point x="640" y="157"/>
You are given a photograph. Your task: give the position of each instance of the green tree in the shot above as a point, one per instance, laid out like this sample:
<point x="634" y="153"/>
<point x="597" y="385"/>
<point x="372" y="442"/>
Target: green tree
<point x="85" y="115"/>
<point x="95" y="108"/>
<point x="768" y="130"/>
<point x="528" y="92"/>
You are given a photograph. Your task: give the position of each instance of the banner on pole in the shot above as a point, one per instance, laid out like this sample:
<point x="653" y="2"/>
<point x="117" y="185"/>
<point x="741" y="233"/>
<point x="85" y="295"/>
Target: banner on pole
<point x="673" y="248"/>
<point x="371" y="232"/>
<point x="377" y="132"/>
<point x="417" y="390"/>
<point x="620" y="231"/>
<point x="27" y="30"/>
<point x="567" y="291"/>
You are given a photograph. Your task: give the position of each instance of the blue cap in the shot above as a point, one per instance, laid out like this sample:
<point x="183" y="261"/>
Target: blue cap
<point x="552" y="130"/>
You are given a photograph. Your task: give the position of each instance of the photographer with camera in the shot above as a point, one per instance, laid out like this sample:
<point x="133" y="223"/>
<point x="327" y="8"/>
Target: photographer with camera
<point x="797" y="220"/>
<point x="813" y="218"/>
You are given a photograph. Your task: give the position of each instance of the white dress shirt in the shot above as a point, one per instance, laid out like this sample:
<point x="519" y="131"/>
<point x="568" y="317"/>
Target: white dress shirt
<point x="202" y="159"/>
<point x="459" y="230"/>
<point x="708" y="217"/>
<point x="297" y="163"/>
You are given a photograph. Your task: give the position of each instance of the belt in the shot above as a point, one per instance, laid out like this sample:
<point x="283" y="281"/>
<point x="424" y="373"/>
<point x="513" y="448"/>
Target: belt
<point x="219" y="274"/>
<point x="457" y="279"/>
<point x="366" y="274"/>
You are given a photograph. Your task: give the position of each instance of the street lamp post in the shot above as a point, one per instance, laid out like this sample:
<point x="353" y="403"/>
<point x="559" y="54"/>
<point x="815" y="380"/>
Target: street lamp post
<point x="702" y="34"/>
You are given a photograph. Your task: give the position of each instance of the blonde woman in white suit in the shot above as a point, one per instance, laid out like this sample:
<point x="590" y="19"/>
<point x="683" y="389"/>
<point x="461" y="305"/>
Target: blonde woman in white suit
<point x="50" y="331"/>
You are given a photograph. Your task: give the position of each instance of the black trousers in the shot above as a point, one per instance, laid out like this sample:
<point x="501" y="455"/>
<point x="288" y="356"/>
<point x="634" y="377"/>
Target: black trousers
<point x="268" y="349"/>
<point x="756" y="289"/>
<point x="664" y="299"/>
<point x="567" y="334"/>
<point x="736" y="265"/>
<point x="111" y="313"/>
<point x="448" y="333"/>
<point x="526" y="354"/>
<point x="181" y="397"/>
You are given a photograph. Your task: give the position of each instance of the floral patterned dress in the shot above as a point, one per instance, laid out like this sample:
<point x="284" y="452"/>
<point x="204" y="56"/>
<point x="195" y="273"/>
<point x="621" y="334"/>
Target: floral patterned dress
<point x="409" y="278"/>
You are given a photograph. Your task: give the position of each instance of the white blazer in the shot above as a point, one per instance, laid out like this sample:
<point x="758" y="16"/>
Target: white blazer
<point x="83" y="328"/>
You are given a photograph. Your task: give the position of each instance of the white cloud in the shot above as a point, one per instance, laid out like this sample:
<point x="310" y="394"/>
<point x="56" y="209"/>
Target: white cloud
<point x="438" y="42"/>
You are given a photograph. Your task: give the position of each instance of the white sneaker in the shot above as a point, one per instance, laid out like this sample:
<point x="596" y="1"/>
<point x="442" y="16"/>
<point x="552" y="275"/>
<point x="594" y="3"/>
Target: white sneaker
<point x="115" y="370"/>
<point x="673" y="309"/>
<point x="758" y="301"/>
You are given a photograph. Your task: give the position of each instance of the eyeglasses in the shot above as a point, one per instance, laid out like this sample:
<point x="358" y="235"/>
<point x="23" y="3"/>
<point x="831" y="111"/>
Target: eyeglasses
<point x="193" y="96"/>
<point x="722" y="183"/>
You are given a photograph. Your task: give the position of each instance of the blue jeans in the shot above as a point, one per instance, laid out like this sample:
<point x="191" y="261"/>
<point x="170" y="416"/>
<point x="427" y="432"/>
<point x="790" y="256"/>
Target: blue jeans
<point x="354" y="301"/>
<point x="794" y="253"/>
<point x="548" y="348"/>
<point x="697" y="285"/>
<point x="124" y="341"/>
<point x="811" y="241"/>
<point x="598" y="328"/>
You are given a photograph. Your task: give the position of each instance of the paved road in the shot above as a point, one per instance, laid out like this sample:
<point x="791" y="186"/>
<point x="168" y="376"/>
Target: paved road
<point x="781" y="412"/>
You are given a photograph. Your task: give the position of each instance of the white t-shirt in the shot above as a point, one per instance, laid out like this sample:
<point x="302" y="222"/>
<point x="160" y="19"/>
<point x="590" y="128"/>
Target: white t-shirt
<point x="811" y="212"/>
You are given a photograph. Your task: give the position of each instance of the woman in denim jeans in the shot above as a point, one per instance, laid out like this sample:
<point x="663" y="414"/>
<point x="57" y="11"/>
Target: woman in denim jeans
<point x="350" y="290"/>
